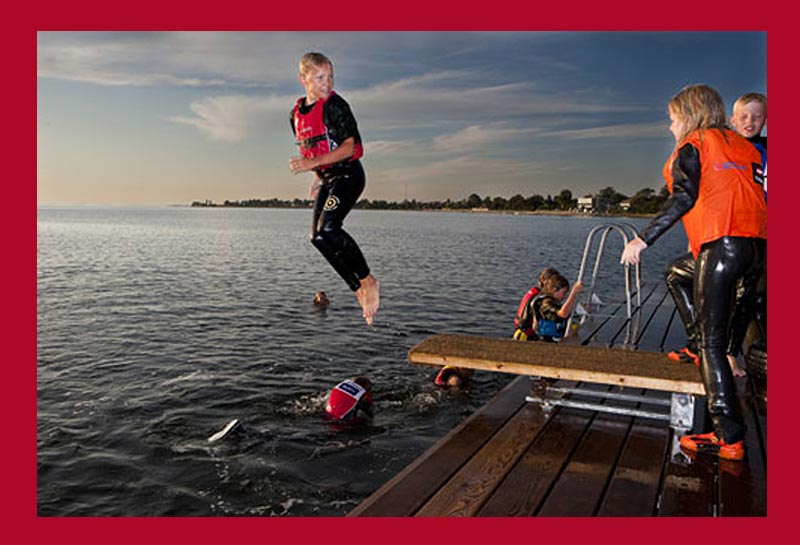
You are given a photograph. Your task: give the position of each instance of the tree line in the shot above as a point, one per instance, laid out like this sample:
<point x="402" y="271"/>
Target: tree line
<point x="606" y="201"/>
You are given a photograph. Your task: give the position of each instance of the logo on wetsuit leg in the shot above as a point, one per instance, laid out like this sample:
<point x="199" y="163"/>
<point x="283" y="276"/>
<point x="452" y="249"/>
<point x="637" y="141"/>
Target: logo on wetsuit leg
<point x="332" y="203"/>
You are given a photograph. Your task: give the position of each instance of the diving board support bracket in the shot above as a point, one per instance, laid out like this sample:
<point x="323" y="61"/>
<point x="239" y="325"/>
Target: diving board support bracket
<point x="599" y="365"/>
<point x="679" y="410"/>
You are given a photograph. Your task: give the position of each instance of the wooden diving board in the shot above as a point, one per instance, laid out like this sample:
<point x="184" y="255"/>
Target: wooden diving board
<point x="614" y="366"/>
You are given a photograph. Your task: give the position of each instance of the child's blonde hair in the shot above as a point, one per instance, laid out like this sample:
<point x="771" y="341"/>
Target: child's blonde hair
<point x="698" y="107"/>
<point x="554" y="282"/>
<point x="313" y="59"/>
<point x="545" y="275"/>
<point x="747" y="98"/>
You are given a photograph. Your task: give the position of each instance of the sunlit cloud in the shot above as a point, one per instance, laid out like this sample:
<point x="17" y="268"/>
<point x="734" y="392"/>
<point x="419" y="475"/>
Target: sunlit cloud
<point x="480" y="136"/>
<point x="235" y="118"/>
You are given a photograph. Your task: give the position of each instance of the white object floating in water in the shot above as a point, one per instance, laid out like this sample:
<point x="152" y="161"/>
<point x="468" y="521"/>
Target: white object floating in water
<point x="232" y="425"/>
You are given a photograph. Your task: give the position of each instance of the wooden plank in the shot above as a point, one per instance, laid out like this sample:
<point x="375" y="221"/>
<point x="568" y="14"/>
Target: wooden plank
<point x="688" y="488"/>
<point x="630" y="368"/>
<point x="468" y="490"/>
<point x="580" y="488"/>
<point x="633" y="490"/>
<point x="743" y="485"/>
<point x="413" y="486"/>
<point x="526" y="486"/>
<point x="661" y="328"/>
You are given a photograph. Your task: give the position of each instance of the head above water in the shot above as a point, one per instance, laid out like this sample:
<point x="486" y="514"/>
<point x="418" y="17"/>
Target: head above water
<point x="695" y="107"/>
<point x="545" y="275"/>
<point x="321" y="300"/>
<point x="364" y="382"/>
<point x="555" y="285"/>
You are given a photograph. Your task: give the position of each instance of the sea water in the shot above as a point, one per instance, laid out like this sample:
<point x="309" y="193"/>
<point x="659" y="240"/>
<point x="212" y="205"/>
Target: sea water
<point x="158" y="326"/>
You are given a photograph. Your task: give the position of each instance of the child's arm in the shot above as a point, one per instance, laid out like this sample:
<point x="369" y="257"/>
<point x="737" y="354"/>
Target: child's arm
<point x="342" y="153"/>
<point x="572" y="299"/>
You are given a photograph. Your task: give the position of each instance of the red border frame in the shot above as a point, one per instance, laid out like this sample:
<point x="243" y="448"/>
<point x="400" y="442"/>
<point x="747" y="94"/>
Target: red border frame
<point x="19" y="330"/>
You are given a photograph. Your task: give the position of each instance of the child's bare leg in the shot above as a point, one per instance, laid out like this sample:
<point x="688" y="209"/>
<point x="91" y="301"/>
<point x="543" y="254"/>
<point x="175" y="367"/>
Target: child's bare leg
<point x="738" y="371"/>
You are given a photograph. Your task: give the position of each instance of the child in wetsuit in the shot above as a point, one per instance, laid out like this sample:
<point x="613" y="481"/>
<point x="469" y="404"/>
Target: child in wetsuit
<point x="553" y="307"/>
<point x="450" y="376"/>
<point x="330" y="146"/>
<point x="749" y="116"/>
<point x="713" y="176"/>
<point x="748" y="119"/>
<point x="350" y="401"/>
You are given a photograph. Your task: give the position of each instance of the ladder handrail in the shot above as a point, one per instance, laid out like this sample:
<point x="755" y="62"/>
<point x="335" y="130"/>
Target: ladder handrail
<point x="624" y="230"/>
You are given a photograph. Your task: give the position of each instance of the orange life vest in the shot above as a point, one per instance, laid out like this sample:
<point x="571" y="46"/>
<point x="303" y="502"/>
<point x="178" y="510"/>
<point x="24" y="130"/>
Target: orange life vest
<point x="730" y="201"/>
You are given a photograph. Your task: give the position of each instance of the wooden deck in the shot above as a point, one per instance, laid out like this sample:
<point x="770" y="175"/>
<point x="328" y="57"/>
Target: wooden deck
<point x="514" y="458"/>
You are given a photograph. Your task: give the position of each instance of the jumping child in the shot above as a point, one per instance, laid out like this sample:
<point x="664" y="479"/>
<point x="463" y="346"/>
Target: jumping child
<point x="330" y="146"/>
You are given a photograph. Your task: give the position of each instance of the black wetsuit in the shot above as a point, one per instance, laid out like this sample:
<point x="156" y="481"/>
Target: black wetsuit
<point x="705" y="290"/>
<point x="342" y="184"/>
<point x="679" y="278"/>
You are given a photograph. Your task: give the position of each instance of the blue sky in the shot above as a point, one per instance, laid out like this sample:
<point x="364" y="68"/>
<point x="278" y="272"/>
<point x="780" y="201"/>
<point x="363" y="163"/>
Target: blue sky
<point x="169" y="118"/>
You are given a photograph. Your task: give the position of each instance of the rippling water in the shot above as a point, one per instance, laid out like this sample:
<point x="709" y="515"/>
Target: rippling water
<point x="157" y="326"/>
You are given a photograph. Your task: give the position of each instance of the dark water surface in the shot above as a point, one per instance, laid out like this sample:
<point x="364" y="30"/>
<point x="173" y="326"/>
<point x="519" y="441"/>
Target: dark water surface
<point x="157" y="326"/>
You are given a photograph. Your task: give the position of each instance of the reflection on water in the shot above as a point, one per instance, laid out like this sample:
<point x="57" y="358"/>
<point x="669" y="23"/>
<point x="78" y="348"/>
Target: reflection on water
<point x="157" y="327"/>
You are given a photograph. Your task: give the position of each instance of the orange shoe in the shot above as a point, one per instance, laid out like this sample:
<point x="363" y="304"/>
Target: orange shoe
<point x="708" y="442"/>
<point x="731" y="467"/>
<point x="684" y="355"/>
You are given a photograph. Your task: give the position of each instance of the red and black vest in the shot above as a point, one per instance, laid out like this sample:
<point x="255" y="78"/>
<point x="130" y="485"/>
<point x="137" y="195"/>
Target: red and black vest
<point x="524" y="317"/>
<point x="312" y="135"/>
<point x="730" y="201"/>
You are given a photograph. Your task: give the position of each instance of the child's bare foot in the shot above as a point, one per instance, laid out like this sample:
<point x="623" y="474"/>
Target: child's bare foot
<point x="371" y="295"/>
<point x="734" y="363"/>
<point x="361" y="295"/>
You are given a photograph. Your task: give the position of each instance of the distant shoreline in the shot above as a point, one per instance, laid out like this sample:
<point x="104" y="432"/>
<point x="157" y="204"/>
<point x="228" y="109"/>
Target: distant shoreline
<point x="452" y="210"/>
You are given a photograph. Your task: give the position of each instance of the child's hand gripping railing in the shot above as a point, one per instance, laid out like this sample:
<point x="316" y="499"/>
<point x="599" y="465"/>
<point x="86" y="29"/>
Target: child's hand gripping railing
<point x="625" y="230"/>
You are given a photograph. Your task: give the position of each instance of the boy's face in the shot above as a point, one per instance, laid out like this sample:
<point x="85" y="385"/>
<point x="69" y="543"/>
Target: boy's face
<point x="748" y="119"/>
<point x="318" y="83"/>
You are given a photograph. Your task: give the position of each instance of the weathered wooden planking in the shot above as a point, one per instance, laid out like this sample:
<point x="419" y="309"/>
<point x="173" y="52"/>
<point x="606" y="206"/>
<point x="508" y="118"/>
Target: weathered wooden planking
<point x="580" y="488"/>
<point x="743" y="486"/>
<point x="689" y="486"/>
<point x="634" y="487"/>
<point x="413" y="486"/>
<point x="527" y="485"/>
<point x="465" y="493"/>
<point x="630" y="368"/>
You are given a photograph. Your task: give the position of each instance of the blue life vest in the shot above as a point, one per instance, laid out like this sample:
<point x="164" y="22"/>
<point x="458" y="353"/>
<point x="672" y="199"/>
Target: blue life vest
<point x="546" y="329"/>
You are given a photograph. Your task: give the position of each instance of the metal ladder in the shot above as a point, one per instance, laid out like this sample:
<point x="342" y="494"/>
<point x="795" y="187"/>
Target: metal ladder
<point x="680" y="409"/>
<point x="624" y="230"/>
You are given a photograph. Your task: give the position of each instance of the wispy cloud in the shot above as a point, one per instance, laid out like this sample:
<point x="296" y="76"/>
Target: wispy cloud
<point x="235" y="118"/>
<point x="173" y="59"/>
<point x="656" y="129"/>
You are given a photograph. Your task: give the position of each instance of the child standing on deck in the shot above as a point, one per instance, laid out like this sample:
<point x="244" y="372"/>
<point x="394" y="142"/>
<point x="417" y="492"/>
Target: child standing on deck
<point x="330" y="146"/>
<point x="713" y="176"/>
<point x="748" y="119"/>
